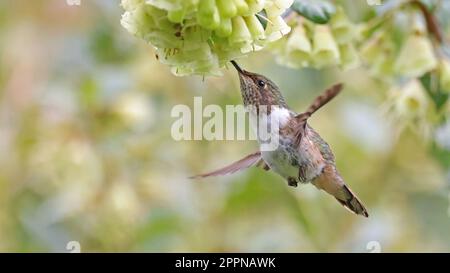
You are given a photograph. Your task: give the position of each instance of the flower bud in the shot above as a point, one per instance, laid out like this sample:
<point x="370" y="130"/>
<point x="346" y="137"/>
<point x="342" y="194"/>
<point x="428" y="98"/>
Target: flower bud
<point x="208" y="14"/>
<point x="241" y="34"/>
<point x="255" y="27"/>
<point x="241" y="6"/>
<point x="255" y="6"/>
<point x="225" y="29"/>
<point x="227" y="8"/>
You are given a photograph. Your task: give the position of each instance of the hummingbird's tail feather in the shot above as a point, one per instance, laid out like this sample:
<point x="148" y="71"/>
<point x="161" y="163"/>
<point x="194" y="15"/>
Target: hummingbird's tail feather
<point x="352" y="203"/>
<point x="331" y="182"/>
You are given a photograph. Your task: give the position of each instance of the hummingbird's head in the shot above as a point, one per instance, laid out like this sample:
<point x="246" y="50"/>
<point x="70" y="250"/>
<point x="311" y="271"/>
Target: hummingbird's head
<point x="258" y="90"/>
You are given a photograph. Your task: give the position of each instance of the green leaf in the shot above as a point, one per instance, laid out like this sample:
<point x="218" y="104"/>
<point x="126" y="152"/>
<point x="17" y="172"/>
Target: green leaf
<point x="441" y="154"/>
<point x="318" y="11"/>
<point x="426" y="81"/>
<point x="439" y="100"/>
<point x="430" y="83"/>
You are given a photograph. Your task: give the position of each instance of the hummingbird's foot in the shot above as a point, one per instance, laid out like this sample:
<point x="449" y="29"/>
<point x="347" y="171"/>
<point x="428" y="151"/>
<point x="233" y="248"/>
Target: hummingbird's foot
<point x="292" y="182"/>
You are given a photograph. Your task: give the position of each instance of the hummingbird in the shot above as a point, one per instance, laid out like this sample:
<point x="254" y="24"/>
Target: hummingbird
<point x="301" y="156"/>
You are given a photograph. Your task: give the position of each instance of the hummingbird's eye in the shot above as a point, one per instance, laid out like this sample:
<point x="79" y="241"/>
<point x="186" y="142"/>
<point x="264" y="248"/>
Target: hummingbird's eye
<point x="261" y="83"/>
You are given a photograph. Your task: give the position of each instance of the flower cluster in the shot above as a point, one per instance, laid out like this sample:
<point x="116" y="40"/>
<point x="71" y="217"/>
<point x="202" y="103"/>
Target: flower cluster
<point x="402" y="62"/>
<point x="319" y="46"/>
<point x="201" y="36"/>
<point x="413" y="58"/>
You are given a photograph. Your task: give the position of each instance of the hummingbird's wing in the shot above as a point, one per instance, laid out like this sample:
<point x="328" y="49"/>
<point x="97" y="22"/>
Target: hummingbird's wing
<point x="323" y="99"/>
<point x="320" y="101"/>
<point x="248" y="161"/>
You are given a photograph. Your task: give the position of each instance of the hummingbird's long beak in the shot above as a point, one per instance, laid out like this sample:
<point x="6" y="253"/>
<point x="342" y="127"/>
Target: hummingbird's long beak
<point x="238" y="68"/>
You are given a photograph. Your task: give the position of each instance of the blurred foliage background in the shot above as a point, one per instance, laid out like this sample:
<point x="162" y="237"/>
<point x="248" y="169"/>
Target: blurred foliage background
<point x="86" y="153"/>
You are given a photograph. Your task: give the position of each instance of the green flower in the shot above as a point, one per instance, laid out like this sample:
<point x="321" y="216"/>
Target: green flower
<point x="294" y="50"/>
<point x="378" y="54"/>
<point x="416" y="57"/>
<point x="276" y="26"/>
<point x="411" y="100"/>
<point x="325" y="48"/>
<point x="343" y="30"/>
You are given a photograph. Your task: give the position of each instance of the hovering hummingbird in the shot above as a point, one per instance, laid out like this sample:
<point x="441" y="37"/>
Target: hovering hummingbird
<point x="301" y="156"/>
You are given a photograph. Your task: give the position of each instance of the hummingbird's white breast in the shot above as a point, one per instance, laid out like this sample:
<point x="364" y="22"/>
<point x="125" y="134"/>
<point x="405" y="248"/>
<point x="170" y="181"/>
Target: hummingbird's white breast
<point x="280" y="115"/>
<point x="286" y="158"/>
<point x="278" y="159"/>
